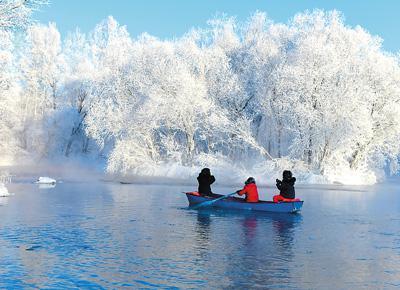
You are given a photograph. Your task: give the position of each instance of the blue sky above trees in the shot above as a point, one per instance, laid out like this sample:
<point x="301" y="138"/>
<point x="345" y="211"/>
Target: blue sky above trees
<point x="172" y="18"/>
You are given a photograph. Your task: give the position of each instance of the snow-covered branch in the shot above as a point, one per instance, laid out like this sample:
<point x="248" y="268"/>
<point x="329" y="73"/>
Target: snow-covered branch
<point x="15" y="14"/>
<point x="314" y="91"/>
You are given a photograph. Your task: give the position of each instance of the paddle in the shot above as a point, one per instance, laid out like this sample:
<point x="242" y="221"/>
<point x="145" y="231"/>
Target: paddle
<point x="210" y="202"/>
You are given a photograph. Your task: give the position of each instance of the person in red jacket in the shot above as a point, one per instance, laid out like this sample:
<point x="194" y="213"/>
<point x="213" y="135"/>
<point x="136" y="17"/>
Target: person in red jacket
<point x="250" y="190"/>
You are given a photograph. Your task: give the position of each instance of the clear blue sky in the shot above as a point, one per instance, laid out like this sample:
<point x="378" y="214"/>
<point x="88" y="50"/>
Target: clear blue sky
<point x="172" y="18"/>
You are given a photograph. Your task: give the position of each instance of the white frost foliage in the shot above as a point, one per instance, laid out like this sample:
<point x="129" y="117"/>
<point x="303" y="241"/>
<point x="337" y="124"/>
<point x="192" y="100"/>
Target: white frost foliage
<point x="9" y="101"/>
<point x="314" y="96"/>
<point x="43" y="68"/>
<point x="15" y="14"/>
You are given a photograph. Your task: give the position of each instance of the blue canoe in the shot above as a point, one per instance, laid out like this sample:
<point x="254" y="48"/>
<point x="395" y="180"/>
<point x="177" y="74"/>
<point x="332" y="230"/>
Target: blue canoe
<point x="240" y="203"/>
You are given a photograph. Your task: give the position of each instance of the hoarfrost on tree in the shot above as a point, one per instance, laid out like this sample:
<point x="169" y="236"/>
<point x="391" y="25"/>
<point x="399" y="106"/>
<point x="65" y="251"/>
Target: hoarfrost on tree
<point x="313" y="95"/>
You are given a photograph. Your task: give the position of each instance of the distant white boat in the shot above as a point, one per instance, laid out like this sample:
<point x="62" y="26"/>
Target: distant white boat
<point x="45" y="180"/>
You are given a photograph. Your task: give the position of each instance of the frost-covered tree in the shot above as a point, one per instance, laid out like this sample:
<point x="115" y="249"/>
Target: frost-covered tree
<point x="42" y="67"/>
<point x="329" y="88"/>
<point x="109" y="45"/>
<point x="8" y="100"/>
<point x="309" y="90"/>
<point x="81" y="74"/>
<point x="313" y="94"/>
<point x="16" y="14"/>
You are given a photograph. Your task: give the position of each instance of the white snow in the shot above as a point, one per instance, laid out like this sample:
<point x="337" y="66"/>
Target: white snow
<point x="3" y="190"/>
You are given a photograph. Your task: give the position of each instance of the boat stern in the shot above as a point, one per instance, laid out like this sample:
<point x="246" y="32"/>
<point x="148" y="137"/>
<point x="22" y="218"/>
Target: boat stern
<point x="297" y="205"/>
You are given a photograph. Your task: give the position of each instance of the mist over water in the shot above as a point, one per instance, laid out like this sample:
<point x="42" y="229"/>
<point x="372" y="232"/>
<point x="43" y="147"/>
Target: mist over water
<point x="108" y="235"/>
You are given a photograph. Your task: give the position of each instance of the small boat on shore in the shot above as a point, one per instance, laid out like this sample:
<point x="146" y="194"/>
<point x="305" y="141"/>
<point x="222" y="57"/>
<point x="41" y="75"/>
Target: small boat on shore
<point x="45" y="180"/>
<point x="239" y="203"/>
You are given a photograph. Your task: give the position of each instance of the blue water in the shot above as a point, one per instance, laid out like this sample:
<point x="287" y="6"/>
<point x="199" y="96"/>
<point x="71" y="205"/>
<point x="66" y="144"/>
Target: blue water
<point x="104" y="235"/>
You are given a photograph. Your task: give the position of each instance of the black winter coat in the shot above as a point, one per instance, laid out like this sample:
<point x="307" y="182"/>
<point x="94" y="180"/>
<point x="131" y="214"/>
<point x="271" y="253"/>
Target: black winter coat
<point x="286" y="187"/>
<point x="205" y="180"/>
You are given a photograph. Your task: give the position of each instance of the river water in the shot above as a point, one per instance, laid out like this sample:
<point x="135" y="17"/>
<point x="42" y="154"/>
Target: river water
<point x="106" y="235"/>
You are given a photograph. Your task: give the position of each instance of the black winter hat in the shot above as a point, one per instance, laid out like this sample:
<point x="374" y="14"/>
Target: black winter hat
<point x="250" y="180"/>
<point x="287" y="174"/>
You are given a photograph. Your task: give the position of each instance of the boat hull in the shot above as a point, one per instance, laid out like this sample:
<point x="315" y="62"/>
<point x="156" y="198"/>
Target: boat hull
<point x="240" y="204"/>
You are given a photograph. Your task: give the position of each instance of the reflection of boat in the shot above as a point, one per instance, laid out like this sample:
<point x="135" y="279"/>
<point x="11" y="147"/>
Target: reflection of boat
<point x="46" y="185"/>
<point x="261" y="244"/>
<point x="239" y="203"/>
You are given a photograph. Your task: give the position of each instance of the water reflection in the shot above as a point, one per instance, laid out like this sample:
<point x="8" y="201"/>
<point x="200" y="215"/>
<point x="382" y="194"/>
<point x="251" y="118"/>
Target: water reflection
<point x="46" y="185"/>
<point x="268" y="248"/>
<point x="256" y="245"/>
<point x="3" y="200"/>
<point x="249" y="228"/>
<point x="203" y="227"/>
<point x="284" y="228"/>
<point x="112" y="236"/>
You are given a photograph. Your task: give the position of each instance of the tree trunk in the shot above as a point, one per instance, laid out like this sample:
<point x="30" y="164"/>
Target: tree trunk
<point x="279" y="141"/>
<point x="85" y="145"/>
<point x="323" y="156"/>
<point x="309" y="152"/>
<point x="54" y="88"/>
<point x="68" y="148"/>
<point x="190" y="146"/>
<point x="358" y="154"/>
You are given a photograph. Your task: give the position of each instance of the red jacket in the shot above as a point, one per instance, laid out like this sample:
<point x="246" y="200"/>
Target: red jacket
<point x="251" y="192"/>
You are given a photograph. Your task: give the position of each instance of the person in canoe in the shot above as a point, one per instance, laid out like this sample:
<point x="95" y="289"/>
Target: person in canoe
<point x="205" y="180"/>
<point x="286" y="187"/>
<point x="250" y="190"/>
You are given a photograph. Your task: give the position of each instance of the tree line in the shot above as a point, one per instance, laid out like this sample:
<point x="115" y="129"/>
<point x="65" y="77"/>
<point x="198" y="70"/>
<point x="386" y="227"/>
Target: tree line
<point x="313" y="93"/>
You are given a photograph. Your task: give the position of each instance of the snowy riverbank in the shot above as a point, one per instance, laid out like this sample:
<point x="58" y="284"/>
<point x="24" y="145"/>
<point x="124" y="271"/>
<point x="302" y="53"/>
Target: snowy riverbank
<point x="3" y="190"/>
<point x="172" y="173"/>
<point x="235" y="175"/>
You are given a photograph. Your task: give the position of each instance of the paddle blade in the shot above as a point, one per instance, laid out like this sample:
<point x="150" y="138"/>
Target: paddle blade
<point x="203" y="204"/>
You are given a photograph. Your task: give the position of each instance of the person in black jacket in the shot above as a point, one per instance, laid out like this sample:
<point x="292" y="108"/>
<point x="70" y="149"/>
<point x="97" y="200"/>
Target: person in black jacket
<point x="285" y="186"/>
<point x="205" y="180"/>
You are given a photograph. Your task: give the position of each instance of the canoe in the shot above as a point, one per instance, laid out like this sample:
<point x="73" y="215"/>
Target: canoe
<point x="239" y="203"/>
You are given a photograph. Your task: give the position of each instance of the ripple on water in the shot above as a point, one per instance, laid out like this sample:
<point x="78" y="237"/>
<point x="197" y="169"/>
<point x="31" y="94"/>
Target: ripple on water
<point x="104" y="236"/>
